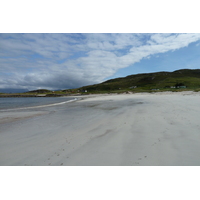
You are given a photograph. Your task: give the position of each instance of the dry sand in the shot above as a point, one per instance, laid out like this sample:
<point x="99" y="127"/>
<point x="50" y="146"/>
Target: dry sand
<point x="161" y="129"/>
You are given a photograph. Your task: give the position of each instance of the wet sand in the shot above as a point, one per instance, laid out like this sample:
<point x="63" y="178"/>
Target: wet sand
<point x="161" y="129"/>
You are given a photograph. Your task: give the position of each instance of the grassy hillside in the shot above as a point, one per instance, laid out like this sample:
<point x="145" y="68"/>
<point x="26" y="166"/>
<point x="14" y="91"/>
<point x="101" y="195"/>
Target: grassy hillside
<point x="150" y="81"/>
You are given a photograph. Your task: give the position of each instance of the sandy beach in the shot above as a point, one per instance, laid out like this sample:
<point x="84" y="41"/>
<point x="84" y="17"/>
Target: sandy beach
<point x="145" y="129"/>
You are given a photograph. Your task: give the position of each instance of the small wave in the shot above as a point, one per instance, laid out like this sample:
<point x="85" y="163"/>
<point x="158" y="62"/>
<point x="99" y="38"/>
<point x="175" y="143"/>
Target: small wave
<point x="54" y="104"/>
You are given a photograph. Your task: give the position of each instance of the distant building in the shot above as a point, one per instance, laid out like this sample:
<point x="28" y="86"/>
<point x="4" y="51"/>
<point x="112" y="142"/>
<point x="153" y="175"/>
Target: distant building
<point x="132" y="87"/>
<point x="183" y="86"/>
<point x="180" y="85"/>
<point x="83" y="90"/>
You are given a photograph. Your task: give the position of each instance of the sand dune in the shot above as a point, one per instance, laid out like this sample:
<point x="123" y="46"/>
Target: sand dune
<point x="161" y="129"/>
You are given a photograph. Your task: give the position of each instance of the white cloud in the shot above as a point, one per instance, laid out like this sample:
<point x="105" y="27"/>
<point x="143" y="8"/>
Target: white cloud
<point x="72" y="60"/>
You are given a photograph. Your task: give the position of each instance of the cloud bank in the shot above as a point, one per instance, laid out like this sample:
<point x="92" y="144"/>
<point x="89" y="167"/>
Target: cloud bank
<point x="61" y="61"/>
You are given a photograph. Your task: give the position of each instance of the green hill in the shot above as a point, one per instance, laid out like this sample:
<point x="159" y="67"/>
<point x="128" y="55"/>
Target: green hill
<point x="180" y="79"/>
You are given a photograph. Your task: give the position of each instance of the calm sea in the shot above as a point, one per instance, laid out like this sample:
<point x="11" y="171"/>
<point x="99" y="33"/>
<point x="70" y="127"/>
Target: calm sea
<point x="22" y="102"/>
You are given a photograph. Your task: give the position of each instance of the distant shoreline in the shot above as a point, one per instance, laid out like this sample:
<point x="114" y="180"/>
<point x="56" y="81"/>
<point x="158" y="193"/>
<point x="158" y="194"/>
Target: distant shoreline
<point x="89" y="94"/>
<point x="36" y="95"/>
<point x="37" y="106"/>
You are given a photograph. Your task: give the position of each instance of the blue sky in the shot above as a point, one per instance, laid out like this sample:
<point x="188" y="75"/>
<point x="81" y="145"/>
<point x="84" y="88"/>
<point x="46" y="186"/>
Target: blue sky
<point x="61" y="61"/>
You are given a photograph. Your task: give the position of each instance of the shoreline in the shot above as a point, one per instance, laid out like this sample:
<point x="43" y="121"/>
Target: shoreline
<point x="5" y="95"/>
<point x="142" y="129"/>
<point x="35" y="95"/>
<point x="39" y="106"/>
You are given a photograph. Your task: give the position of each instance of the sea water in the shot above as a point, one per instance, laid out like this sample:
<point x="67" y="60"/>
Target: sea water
<point x="27" y="102"/>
